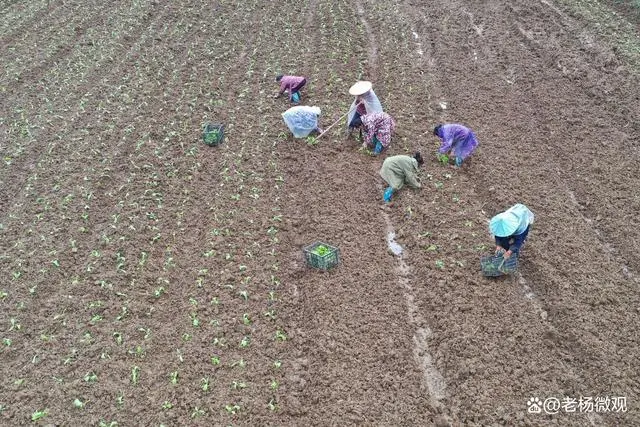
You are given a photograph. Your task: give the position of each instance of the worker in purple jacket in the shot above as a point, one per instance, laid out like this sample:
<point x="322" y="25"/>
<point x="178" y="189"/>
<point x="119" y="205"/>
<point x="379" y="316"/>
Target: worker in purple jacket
<point x="292" y="84"/>
<point x="457" y="140"/>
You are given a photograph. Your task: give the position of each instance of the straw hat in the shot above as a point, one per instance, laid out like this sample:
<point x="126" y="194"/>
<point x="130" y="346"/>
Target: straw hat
<point x="360" y="88"/>
<point x="504" y="224"/>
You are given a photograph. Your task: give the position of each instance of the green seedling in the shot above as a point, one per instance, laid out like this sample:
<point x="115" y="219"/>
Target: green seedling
<point x="245" y="319"/>
<point x="173" y="377"/>
<point x="274" y="385"/>
<point x="91" y="377"/>
<point x="167" y="405"/>
<point x="271" y="314"/>
<point x="239" y="363"/>
<point x="135" y="375"/>
<point x="312" y="140"/>
<point x="138" y="351"/>
<point x="442" y="158"/>
<point x="15" y="325"/>
<point x="197" y="412"/>
<point x="120" y="398"/>
<point x="321" y="250"/>
<point x="212" y="136"/>
<point x="204" y="384"/>
<point x="432" y="248"/>
<point x="272" y="405"/>
<point x="38" y="415"/>
<point x="244" y="343"/>
<point x="194" y="320"/>
<point x="440" y="264"/>
<point x="238" y="385"/>
<point x="232" y="409"/>
<point x="7" y="342"/>
<point x="244" y="295"/>
<point x="280" y="335"/>
<point x="77" y="403"/>
<point x="117" y="336"/>
<point x="277" y="364"/>
<point x="215" y="360"/>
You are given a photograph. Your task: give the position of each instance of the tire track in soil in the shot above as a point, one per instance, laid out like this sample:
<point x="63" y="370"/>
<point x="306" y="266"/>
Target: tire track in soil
<point x="372" y="63"/>
<point x="432" y="377"/>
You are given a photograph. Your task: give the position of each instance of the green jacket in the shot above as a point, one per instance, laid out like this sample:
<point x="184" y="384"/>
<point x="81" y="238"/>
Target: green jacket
<point x="398" y="170"/>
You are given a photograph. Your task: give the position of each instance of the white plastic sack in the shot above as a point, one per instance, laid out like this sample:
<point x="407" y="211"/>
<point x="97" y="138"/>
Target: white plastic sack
<point x="301" y="120"/>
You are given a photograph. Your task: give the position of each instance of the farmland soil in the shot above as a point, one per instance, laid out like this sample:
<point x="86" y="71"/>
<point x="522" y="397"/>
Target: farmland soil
<point x="160" y="281"/>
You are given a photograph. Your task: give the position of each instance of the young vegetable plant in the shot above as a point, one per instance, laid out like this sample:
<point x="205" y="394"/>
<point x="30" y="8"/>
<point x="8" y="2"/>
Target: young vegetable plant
<point x="38" y="415"/>
<point x="442" y="158"/>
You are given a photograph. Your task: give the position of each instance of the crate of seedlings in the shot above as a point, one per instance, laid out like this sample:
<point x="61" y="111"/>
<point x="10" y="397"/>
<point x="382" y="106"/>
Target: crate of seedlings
<point x="497" y="265"/>
<point x="321" y="255"/>
<point x="213" y="134"/>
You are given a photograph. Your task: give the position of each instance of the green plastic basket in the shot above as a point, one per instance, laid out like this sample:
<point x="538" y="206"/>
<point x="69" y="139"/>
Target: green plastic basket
<point x="213" y="134"/>
<point x="496" y="265"/>
<point x="322" y="256"/>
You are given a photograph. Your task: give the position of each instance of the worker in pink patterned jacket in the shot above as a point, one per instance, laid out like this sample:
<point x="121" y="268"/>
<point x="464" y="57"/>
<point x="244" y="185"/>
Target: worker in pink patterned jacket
<point x="291" y="84"/>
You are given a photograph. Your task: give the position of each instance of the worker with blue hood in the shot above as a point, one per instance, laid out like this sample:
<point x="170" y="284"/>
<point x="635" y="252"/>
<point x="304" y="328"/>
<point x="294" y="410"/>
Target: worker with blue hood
<point x="510" y="229"/>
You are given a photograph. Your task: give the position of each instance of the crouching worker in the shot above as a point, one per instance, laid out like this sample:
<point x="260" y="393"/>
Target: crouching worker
<point x="458" y="141"/>
<point x="400" y="170"/>
<point x="377" y="128"/>
<point x="510" y="229"/>
<point x="302" y="120"/>
<point x="292" y="85"/>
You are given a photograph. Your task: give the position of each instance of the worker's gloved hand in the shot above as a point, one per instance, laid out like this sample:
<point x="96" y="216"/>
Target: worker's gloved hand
<point x="499" y="250"/>
<point x="378" y="148"/>
<point x="387" y="194"/>
<point x="458" y="161"/>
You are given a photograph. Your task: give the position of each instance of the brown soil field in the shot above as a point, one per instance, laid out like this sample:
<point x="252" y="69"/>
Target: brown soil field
<point x="149" y="279"/>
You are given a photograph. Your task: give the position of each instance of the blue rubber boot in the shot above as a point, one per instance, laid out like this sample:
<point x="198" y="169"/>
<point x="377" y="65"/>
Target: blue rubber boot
<point x="458" y="161"/>
<point x="295" y="97"/>
<point x="387" y="194"/>
<point x="379" y="146"/>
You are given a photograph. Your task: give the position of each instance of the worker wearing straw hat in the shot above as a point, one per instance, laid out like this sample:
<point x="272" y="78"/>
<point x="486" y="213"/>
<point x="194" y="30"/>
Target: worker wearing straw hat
<point x="511" y="228"/>
<point x="366" y="102"/>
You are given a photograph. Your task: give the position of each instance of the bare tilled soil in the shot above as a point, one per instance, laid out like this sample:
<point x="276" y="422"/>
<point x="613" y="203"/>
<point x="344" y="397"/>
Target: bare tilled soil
<point x="148" y="279"/>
